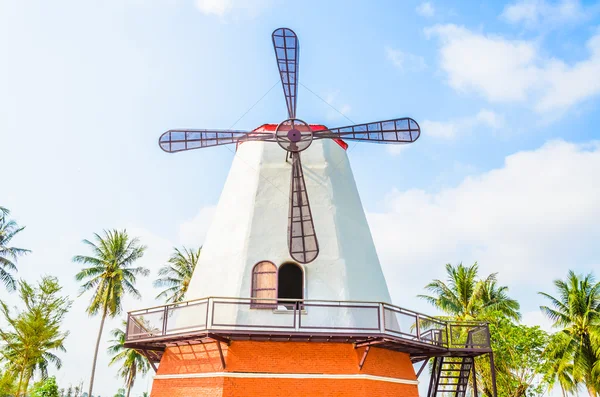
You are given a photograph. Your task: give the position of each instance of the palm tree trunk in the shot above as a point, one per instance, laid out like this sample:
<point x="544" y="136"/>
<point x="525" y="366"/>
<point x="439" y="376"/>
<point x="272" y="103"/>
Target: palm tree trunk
<point x="591" y="389"/>
<point x="26" y="383"/>
<point x="20" y="382"/>
<point x="96" y="351"/>
<point x="22" y="378"/>
<point x="131" y="378"/>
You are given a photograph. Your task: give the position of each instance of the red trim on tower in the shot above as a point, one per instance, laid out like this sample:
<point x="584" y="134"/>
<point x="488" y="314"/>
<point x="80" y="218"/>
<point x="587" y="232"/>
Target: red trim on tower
<point x="341" y="142"/>
<point x="273" y="127"/>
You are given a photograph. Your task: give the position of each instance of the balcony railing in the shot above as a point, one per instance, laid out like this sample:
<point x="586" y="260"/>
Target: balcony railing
<point x="351" y="319"/>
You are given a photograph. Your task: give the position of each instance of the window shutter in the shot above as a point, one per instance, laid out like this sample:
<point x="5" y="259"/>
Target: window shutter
<point x="264" y="285"/>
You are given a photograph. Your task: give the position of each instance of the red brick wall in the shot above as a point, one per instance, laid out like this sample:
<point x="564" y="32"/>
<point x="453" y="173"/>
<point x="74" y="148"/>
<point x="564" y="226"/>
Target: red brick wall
<point x="283" y="357"/>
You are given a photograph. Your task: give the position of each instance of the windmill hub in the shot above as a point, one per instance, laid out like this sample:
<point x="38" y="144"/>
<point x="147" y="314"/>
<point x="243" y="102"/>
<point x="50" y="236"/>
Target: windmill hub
<point x="294" y="135"/>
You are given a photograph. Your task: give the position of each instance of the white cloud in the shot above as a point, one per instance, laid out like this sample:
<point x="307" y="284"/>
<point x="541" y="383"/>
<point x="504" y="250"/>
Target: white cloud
<point x="533" y="13"/>
<point x="222" y="8"/>
<point x="214" y="7"/>
<point x="396" y="150"/>
<point x="503" y="70"/>
<point x="570" y="85"/>
<point x="193" y="231"/>
<point x="405" y="61"/>
<point x="426" y="9"/>
<point x="531" y="220"/>
<point x="536" y="317"/>
<point x="453" y="128"/>
<point x="483" y="64"/>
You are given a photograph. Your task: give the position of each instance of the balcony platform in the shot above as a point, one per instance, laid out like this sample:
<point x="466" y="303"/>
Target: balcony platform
<point x="363" y="324"/>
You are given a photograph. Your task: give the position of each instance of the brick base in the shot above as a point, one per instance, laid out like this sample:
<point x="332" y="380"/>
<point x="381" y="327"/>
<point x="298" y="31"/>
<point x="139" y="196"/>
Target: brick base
<point x="289" y="369"/>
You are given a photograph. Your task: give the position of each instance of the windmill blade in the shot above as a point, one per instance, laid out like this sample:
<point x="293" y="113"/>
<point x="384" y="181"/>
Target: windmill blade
<point x="286" y="45"/>
<point x="302" y="240"/>
<point x="404" y="130"/>
<point x="174" y="141"/>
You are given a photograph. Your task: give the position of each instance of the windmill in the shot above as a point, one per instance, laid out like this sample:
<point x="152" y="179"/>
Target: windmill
<point x="294" y="136"/>
<point x="259" y="324"/>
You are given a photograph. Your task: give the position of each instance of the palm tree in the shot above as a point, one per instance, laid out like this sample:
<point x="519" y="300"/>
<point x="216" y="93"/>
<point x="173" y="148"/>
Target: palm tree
<point x="110" y="276"/>
<point x="133" y="363"/>
<point x="560" y="365"/>
<point x="466" y="297"/>
<point x="576" y="313"/>
<point x="177" y="274"/>
<point x="33" y="335"/>
<point x="8" y="255"/>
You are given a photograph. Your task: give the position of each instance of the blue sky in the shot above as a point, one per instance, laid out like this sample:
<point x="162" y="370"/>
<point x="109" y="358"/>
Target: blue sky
<point x="505" y="172"/>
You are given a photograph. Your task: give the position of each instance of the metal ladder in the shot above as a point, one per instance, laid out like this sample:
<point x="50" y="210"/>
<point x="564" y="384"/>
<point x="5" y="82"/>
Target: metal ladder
<point x="450" y="375"/>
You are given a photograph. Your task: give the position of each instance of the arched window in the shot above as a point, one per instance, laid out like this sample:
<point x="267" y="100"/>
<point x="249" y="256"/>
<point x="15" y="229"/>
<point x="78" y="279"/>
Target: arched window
<point x="290" y="284"/>
<point x="264" y="285"/>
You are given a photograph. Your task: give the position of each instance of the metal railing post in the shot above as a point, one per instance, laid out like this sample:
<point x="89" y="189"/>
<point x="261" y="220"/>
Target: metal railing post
<point x="418" y="318"/>
<point x="165" y="316"/>
<point x="493" y="373"/>
<point x="381" y="309"/>
<point x="297" y="315"/>
<point x="127" y="327"/>
<point x="209" y="316"/>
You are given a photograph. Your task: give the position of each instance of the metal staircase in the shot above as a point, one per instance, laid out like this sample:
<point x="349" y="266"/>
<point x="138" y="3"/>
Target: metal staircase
<point x="450" y="375"/>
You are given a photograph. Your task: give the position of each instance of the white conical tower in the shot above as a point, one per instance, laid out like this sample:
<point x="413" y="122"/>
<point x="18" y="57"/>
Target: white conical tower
<point x="250" y="226"/>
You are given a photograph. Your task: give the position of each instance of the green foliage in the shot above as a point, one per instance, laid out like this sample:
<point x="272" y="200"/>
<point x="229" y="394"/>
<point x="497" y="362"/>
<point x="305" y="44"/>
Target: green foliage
<point x="467" y="297"/>
<point x="177" y="274"/>
<point x="8" y="255"/>
<point x="575" y="348"/>
<point x="464" y="296"/>
<point x="34" y="334"/>
<point x="45" y="388"/>
<point x="8" y="387"/>
<point x="111" y="273"/>
<point x="120" y="393"/>
<point x="518" y="351"/>
<point x="132" y="362"/>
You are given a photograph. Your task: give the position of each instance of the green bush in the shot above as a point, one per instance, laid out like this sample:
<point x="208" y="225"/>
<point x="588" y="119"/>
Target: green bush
<point x="45" y="388"/>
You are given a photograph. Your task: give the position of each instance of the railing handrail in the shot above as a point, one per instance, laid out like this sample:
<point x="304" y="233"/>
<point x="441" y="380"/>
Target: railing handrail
<point x="309" y="301"/>
<point x="422" y="326"/>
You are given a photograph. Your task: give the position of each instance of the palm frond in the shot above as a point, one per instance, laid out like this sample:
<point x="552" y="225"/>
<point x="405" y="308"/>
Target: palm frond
<point x="177" y="274"/>
<point x="110" y="273"/>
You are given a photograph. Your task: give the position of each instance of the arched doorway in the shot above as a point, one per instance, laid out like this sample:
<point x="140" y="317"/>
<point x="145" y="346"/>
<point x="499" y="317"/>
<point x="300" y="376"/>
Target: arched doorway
<point x="290" y="283"/>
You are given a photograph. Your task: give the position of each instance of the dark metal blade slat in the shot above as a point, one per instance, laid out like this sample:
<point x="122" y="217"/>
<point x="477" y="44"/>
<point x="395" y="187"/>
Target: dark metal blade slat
<point x="403" y="130"/>
<point x="174" y="141"/>
<point x="286" y="46"/>
<point x="302" y="239"/>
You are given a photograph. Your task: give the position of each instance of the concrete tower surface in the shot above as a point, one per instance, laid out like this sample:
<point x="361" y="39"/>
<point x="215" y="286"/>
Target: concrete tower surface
<point x="251" y="220"/>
